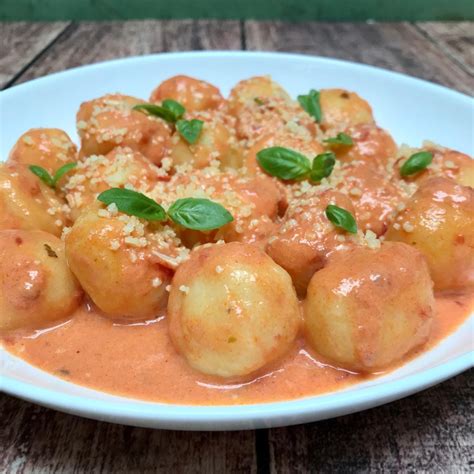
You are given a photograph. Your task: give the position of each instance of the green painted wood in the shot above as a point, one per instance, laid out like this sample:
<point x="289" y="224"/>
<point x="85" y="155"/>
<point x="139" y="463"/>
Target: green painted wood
<point x="293" y="10"/>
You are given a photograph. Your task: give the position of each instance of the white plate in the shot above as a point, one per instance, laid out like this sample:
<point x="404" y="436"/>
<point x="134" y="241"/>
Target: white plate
<point x="413" y="110"/>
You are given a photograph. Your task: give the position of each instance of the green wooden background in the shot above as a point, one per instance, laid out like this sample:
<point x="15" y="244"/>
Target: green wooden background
<point x="330" y="10"/>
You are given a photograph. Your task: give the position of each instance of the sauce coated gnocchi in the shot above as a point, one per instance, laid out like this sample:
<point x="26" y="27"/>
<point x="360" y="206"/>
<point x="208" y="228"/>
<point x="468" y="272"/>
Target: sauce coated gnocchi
<point x="198" y="249"/>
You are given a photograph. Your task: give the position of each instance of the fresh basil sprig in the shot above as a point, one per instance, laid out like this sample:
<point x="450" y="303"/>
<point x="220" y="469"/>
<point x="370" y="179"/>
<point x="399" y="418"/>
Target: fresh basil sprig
<point x="311" y="104"/>
<point x="341" y="218"/>
<point x="133" y="203"/>
<point x="190" y="130"/>
<point x="175" y="107"/>
<point x="192" y="213"/>
<point x="284" y="163"/>
<point x="417" y="162"/>
<point x="169" y="110"/>
<point x="340" y="139"/>
<point x="288" y="164"/>
<point x="51" y="181"/>
<point x="323" y="165"/>
<point x="199" y="214"/>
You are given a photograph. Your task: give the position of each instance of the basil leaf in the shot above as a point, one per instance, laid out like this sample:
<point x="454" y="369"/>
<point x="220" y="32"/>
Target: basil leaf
<point x="174" y="107"/>
<point x="42" y="174"/>
<point x="133" y="203"/>
<point x="341" y="218"/>
<point x="417" y="162"/>
<point x="323" y="165"/>
<point x="199" y="214"/>
<point x="190" y="129"/>
<point x="311" y="104"/>
<point x="284" y="163"/>
<point x="258" y="101"/>
<point x="62" y="171"/>
<point x="340" y="139"/>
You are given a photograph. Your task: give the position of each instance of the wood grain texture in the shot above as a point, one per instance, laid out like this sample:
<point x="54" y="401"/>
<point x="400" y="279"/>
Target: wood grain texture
<point x="456" y="39"/>
<point x="35" y="439"/>
<point x="427" y="432"/>
<point x="89" y="42"/>
<point x="395" y="46"/>
<point x="21" y="43"/>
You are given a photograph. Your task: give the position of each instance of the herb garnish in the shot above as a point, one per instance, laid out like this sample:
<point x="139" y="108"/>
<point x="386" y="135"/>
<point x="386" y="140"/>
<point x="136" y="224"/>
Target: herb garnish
<point x="417" y="162"/>
<point x="173" y="112"/>
<point x="133" y="203"/>
<point x="288" y="164"/>
<point x="340" y="139"/>
<point x="190" y="130"/>
<point x="311" y="104"/>
<point x="199" y="214"/>
<point x="323" y="165"/>
<point x="51" y="181"/>
<point x="192" y="213"/>
<point x="284" y="163"/>
<point x="169" y="110"/>
<point x="341" y="218"/>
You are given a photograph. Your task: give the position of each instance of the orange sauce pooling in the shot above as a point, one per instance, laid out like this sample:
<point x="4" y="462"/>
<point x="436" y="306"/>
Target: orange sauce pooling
<point x="138" y="361"/>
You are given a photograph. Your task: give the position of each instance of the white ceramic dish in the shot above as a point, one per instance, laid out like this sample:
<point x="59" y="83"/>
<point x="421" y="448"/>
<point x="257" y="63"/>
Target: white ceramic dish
<point x="413" y="110"/>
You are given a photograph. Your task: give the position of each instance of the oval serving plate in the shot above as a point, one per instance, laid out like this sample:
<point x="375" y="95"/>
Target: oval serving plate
<point x="411" y="109"/>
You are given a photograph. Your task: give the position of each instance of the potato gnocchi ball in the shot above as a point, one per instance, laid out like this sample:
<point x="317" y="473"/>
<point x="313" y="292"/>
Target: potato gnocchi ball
<point x="446" y="163"/>
<point x="367" y="308"/>
<point x="232" y="310"/>
<point x="27" y="203"/>
<point x="217" y="142"/>
<point x="306" y="237"/>
<point x="342" y="109"/>
<point x="36" y="286"/>
<point x="374" y="196"/>
<point x="119" y="263"/>
<point x="49" y="148"/>
<point x="371" y="143"/>
<point x="254" y="90"/>
<point x="117" y="169"/>
<point x="307" y="146"/>
<point x="109" y="122"/>
<point x="194" y="94"/>
<point x="454" y="165"/>
<point x="439" y="221"/>
<point x="262" y="107"/>
<point x="254" y="202"/>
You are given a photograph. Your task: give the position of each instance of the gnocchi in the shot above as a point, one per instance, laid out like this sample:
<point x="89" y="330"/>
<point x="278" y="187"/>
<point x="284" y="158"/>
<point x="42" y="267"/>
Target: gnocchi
<point x="49" y="148"/>
<point x="439" y="221"/>
<point x="37" y="288"/>
<point x="236" y="332"/>
<point x="110" y="121"/>
<point x="28" y="203"/>
<point x="369" y="307"/>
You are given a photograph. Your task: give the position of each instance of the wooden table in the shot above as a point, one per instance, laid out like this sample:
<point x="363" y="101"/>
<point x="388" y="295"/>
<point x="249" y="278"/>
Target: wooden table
<point x="428" y="432"/>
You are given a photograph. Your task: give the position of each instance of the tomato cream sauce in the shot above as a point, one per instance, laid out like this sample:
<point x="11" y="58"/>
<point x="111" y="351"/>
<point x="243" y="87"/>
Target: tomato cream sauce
<point x="138" y="360"/>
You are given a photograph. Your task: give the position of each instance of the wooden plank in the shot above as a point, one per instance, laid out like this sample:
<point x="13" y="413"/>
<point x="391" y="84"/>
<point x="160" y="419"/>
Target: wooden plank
<point x="396" y="46"/>
<point x="35" y="439"/>
<point x="456" y="39"/>
<point x="21" y="43"/>
<point x="427" y="432"/>
<point x="90" y="42"/>
<point x="191" y="35"/>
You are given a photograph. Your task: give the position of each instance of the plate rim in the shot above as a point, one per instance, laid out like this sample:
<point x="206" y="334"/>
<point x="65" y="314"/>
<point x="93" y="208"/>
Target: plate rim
<point x="245" y="416"/>
<point x="216" y="53"/>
